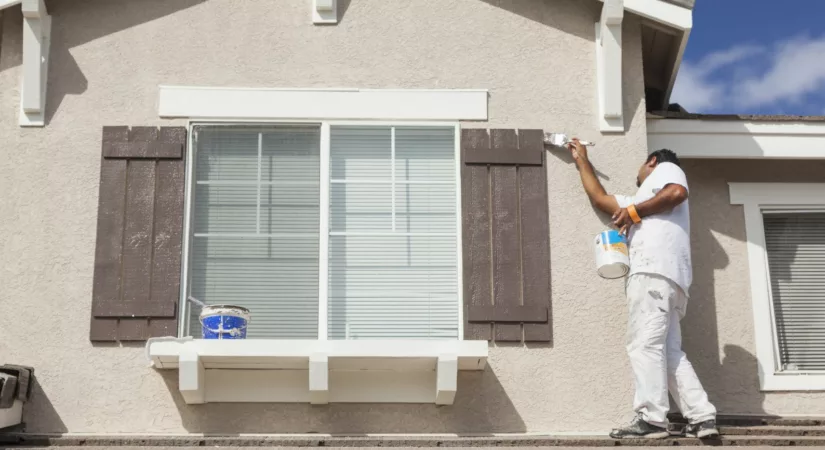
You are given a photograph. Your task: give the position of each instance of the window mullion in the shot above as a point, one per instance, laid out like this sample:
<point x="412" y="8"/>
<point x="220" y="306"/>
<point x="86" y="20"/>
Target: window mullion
<point x="258" y="184"/>
<point x="323" y="235"/>
<point x="392" y="174"/>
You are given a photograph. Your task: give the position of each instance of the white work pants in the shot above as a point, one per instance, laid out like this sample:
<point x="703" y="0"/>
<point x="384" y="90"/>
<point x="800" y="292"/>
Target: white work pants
<point x="654" y="344"/>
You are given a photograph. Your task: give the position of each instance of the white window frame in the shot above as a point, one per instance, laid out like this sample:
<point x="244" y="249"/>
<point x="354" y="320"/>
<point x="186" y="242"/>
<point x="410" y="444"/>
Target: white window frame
<point x="323" y="261"/>
<point x="756" y="198"/>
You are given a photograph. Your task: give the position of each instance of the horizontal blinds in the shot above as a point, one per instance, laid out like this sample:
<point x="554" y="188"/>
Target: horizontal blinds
<point x="393" y="233"/>
<point x="256" y="226"/>
<point x="795" y="244"/>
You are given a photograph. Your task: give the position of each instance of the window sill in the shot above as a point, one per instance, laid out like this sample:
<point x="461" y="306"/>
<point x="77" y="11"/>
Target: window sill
<point x="317" y="372"/>
<point x="792" y="382"/>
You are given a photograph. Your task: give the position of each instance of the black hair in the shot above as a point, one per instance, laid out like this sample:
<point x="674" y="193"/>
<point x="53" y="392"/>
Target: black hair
<point x="664" y="155"/>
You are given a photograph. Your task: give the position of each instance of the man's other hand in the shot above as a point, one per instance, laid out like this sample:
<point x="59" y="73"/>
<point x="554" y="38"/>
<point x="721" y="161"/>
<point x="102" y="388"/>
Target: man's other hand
<point x="577" y="150"/>
<point x="622" y="220"/>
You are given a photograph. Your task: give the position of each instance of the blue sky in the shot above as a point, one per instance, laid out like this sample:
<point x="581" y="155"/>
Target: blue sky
<point x="755" y="57"/>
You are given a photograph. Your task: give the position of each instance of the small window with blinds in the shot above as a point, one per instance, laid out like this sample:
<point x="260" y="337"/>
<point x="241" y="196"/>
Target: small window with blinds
<point x="393" y="243"/>
<point x="795" y="245"/>
<point x="390" y="257"/>
<point x="255" y="226"/>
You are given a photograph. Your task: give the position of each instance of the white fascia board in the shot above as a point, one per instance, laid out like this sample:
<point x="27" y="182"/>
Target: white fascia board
<point x="738" y="139"/>
<point x="316" y="371"/>
<point x="609" y="66"/>
<point x="321" y="104"/>
<point x="662" y="12"/>
<point x="36" y="39"/>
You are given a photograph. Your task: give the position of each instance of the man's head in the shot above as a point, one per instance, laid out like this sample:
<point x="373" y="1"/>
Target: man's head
<point x="655" y="158"/>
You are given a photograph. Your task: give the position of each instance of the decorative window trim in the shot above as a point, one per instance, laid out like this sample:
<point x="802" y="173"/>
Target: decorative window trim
<point x="322" y="104"/>
<point x="755" y="197"/>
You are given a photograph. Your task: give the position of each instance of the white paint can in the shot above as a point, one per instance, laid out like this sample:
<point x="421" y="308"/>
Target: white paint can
<point x="612" y="260"/>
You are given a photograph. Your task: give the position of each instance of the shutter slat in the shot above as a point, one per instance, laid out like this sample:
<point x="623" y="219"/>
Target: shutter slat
<point x="795" y="244"/>
<point x="535" y="236"/>
<point x="506" y="248"/>
<point x="477" y="265"/>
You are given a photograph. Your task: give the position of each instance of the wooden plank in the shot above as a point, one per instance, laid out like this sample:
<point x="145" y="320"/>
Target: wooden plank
<point x="142" y="150"/>
<point x="137" y="239"/>
<point x="535" y="238"/>
<point x="508" y="313"/>
<point x="168" y="231"/>
<point x="475" y="192"/>
<point x="103" y="330"/>
<point x="106" y="289"/>
<point x="506" y="249"/>
<point x="163" y="327"/>
<point x="505" y="156"/>
<point x="133" y="329"/>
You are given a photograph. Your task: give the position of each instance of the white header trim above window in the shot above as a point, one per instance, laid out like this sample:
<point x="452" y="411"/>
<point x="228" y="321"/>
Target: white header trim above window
<point x="332" y="104"/>
<point x="756" y="197"/>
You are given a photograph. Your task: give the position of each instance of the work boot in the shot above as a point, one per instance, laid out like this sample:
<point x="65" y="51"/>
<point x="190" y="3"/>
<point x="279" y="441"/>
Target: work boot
<point x="639" y="429"/>
<point x="702" y="430"/>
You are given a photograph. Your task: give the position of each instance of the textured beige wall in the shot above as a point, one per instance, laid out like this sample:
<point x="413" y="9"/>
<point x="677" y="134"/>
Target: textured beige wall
<point x="718" y="330"/>
<point x="108" y="56"/>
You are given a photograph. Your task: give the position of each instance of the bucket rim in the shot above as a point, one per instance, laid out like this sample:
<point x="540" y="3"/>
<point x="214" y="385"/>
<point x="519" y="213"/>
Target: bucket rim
<point x="241" y="308"/>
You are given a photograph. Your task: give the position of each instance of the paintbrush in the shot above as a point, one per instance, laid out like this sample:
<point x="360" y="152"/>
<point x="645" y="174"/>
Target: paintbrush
<point x="561" y="140"/>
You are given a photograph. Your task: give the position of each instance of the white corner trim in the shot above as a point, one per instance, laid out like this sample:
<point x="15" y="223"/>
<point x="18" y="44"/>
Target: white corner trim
<point x="36" y="36"/>
<point x="324" y="11"/>
<point x="754" y="197"/>
<point x="609" y="66"/>
<point x="7" y="3"/>
<point x="738" y="139"/>
<point x="332" y="104"/>
<point x="317" y="371"/>
<point x="661" y="12"/>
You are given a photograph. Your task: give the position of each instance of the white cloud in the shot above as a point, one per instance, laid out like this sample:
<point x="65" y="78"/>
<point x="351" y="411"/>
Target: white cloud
<point x="796" y="68"/>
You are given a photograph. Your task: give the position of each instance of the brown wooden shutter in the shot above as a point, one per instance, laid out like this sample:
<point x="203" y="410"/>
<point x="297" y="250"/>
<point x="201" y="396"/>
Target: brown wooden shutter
<point x="505" y="236"/>
<point x="139" y="233"/>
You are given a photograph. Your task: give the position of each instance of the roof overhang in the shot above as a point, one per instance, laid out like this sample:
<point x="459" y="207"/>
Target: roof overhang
<point x="664" y="17"/>
<point x="664" y="13"/>
<point x="738" y="139"/>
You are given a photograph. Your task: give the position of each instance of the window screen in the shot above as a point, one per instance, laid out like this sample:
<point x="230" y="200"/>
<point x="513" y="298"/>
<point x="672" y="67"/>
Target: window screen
<point x="795" y="244"/>
<point x="255" y="226"/>
<point x="393" y="233"/>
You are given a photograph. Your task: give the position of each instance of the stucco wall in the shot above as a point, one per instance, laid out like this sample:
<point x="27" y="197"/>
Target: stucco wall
<point x="535" y="57"/>
<point x="718" y="330"/>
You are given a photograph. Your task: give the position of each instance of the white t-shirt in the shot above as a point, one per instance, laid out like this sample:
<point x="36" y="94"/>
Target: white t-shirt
<point x="660" y="244"/>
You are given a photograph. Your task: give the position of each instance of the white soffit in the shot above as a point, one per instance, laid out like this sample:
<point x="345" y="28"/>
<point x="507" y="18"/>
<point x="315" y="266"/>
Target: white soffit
<point x="662" y="12"/>
<point x="715" y="139"/>
<point x="332" y="104"/>
<point x="317" y="372"/>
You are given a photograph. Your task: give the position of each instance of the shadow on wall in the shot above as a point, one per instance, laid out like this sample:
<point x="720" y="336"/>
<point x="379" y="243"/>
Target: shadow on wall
<point x="39" y="410"/>
<point x="564" y="16"/>
<point x="65" y="76"/>
<point x="732" y="378"/>
<point x="481" y="407"/>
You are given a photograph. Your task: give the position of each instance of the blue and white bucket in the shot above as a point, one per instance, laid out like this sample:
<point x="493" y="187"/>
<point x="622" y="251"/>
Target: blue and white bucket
<point x="612" y="260"/>
<point x="224" y="322"/>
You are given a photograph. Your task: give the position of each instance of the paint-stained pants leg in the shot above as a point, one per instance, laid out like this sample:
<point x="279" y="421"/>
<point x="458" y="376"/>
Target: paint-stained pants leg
<point x="654" y="345"/>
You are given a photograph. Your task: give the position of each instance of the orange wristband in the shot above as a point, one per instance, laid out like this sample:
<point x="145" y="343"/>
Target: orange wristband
<point x="634" y="215"/>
